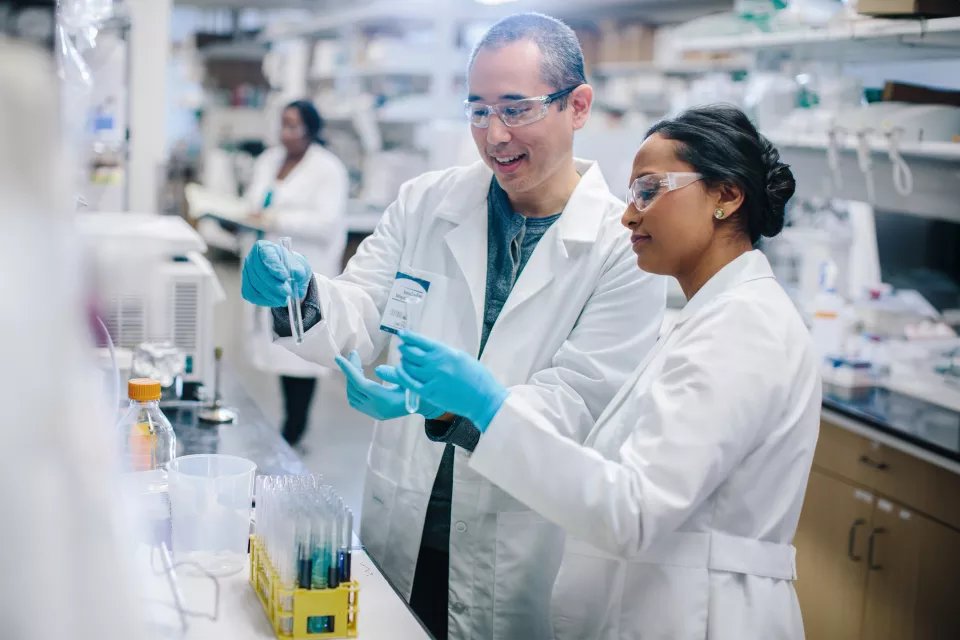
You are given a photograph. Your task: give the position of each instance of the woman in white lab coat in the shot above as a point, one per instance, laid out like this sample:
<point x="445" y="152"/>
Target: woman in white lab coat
<point x="681" y="506"/>
<point x="299" y="189"/>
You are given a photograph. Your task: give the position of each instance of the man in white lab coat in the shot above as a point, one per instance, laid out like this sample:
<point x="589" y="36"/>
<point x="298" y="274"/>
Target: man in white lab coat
<point x="519" y="259"/>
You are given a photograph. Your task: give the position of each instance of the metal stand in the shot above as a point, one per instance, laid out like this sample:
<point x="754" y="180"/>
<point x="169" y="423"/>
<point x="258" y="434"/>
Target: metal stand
<point x="217" y="414"/>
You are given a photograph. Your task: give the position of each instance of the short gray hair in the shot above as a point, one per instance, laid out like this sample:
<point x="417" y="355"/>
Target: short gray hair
<point x="561" y="64"/>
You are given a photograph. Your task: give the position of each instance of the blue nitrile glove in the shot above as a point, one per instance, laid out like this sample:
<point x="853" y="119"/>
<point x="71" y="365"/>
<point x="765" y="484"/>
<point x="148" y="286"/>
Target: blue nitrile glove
<point x="450" y="379"/>
<point x="265" y="275"/>
<point x="382" y="402"/>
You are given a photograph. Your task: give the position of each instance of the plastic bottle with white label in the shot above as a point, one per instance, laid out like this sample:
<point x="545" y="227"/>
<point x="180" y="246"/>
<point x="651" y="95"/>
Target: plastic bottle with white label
<point x="829" y="324"/>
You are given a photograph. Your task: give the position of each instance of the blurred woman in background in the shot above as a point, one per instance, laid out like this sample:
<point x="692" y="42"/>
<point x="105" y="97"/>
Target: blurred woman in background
<point x="298" y="189"/>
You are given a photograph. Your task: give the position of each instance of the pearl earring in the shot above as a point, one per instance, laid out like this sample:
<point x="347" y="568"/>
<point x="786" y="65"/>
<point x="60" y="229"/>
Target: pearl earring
<point x="718" y="214"/>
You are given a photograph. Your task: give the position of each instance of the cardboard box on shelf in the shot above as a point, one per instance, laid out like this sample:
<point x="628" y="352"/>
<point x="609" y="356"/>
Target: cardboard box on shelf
<point x="916" y="94"/>
<point x="625" y="43"/>
<point x="926" y="8"/>
<point x="590" y="43"/>
<point x="636" y="43"/>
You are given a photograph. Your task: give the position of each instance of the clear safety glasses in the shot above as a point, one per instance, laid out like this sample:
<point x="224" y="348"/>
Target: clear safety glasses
<point x="513" y="113"/>
<point x="645" y="190"/>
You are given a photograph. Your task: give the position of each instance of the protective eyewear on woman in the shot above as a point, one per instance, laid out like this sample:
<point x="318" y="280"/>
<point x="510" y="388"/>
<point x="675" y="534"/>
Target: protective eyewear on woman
<point x="645" y="190"/>
<point x="513" y="113"/>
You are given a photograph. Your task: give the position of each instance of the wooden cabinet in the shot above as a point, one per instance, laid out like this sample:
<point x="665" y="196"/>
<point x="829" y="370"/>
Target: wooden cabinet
<point x="878" y="557"/>
<point x="893" y="560"/>
<point x="830" y="583"/>
<point x="938" y="583"/>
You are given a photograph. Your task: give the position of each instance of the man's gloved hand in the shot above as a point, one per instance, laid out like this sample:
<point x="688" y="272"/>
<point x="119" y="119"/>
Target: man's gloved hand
<point x="265" y="276"/>
<point x="382" y="402"/>
<point x="448" y="378"/>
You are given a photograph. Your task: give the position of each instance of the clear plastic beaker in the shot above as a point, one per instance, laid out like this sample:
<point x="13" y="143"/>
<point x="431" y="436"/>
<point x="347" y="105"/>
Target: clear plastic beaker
<point x="210" y="498"/>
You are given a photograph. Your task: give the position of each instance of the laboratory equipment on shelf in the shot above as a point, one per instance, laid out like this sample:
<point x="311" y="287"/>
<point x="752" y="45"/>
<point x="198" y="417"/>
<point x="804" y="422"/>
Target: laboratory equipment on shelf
<point x="217" y="413"/>
<point x="293" y="300"/>
<point x="412" y="306"/>
<point x="154" y="285"/>
<point x="210" y="500"/>
<point x="893" y="125"/>
<point x="147" y="441"/>
<point x="301" y="558"/>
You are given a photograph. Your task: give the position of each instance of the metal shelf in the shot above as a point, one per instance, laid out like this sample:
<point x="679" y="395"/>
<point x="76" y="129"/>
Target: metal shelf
<point x="615" y="69"/>
<point x="867" y="40"/>
<point x="935" y="167"/>
<point x="934" y="151"/>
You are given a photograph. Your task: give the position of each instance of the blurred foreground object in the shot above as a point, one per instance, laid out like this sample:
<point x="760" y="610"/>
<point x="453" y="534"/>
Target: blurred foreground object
<point x="61" y="544"/>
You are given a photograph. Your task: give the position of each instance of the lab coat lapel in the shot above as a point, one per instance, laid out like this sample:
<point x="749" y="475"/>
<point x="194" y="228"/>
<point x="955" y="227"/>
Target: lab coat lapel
<point x="579" y="223"/>
<point x="629" y="386"/>
<point x="466" y="205"/>
<point x="752" y="265"/>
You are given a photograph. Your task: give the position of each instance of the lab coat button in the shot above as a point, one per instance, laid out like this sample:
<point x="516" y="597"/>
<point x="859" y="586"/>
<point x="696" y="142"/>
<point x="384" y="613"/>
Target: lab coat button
<point x="458" y="607"/>
<point x="461" y="527"/>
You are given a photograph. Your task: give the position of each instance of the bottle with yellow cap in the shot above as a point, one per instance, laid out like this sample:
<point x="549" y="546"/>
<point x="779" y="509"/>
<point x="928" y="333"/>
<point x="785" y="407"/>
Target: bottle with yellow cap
<point x="147" y="440"/>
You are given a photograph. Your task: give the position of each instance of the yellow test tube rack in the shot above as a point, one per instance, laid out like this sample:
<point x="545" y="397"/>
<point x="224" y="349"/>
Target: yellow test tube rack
<point x="290" y="610"/>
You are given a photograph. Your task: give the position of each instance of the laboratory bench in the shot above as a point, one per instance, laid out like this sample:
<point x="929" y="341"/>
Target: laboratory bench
<point x="250" y="437"/>
<point x="384" y="614"/>
<point x="878" y="542"/>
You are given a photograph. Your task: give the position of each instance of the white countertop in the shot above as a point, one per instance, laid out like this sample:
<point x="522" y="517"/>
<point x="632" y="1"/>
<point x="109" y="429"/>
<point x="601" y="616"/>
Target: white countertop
<point x="383" y="614"/>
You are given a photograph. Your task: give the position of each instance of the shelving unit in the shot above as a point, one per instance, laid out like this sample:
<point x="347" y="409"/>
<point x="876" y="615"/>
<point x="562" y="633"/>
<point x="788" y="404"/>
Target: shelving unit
<point x="935" y="167"/>
<point x="864" y="40"/>
<point x="933" y="151"/>
<point x="615" y="69"/>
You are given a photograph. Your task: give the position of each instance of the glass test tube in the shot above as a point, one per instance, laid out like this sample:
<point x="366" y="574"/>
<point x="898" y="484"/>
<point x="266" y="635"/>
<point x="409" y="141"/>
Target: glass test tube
<point x="412" y="310"/>
<point x="333" y="569"/>
<point x="293" y="301"/>
<point x="321" y="556"/>
<point x="346" y="534"/>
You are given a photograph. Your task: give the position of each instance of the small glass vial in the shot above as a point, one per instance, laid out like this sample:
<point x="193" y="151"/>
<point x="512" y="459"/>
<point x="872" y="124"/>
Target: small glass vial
<point x="147" y="441"/>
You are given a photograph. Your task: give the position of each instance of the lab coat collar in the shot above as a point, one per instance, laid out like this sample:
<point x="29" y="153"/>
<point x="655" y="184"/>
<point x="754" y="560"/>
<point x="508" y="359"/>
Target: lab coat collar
<point x="752" y="265"/>
<point x="582" y="217"/>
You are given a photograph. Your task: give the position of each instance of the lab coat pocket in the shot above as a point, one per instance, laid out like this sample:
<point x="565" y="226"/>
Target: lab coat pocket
<point x="587" y="594"/>
<point x="529" y="549"/>
<point x="664" y="602"/>
<point x="447" y="309"/>
<point x="379" y="494"/>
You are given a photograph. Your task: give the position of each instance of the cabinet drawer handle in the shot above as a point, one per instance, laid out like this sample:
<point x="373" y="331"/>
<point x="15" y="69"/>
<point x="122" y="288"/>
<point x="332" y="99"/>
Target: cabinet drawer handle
<point x="879" y="466"/>
<point x="851" y="541"/>
<point x="870" y="548"/>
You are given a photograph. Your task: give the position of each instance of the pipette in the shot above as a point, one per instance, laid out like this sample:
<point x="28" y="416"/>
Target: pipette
<point x="412" y="308"/>
<point x="293" y="301"/>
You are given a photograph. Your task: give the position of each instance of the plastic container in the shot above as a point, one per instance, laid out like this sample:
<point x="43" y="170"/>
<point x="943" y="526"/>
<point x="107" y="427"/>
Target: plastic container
<point x="829" y="326"/>
<point x="147" y="441"/>
<point x="211" y="496"/>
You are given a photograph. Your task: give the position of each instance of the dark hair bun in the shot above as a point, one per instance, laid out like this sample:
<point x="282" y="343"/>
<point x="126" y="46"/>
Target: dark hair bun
<point x="780" y="188"/>
<point x="723" y="146"/>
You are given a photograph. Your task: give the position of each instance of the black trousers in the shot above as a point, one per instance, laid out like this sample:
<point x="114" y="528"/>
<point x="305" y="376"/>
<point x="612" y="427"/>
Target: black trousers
<point x="297" y="396"/>
<point x="429" y="597"/>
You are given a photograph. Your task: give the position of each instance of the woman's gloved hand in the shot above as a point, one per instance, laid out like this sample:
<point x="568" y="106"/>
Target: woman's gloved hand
<point x="265" y="276"/>
<point x="381" y="402"/>
<point x="448" y="378"/>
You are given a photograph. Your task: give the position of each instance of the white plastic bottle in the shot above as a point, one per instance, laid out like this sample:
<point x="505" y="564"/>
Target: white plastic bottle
<point x="829" y="324"/>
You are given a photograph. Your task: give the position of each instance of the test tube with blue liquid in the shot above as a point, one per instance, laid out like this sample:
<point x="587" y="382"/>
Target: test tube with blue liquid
<point x="412" y="308"/>
<point x="293" y="300"/>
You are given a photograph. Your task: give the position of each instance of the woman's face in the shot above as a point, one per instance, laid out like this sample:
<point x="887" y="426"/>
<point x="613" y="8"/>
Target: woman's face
<point x="671" y="233"/>
<point x="293" y="134"/>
